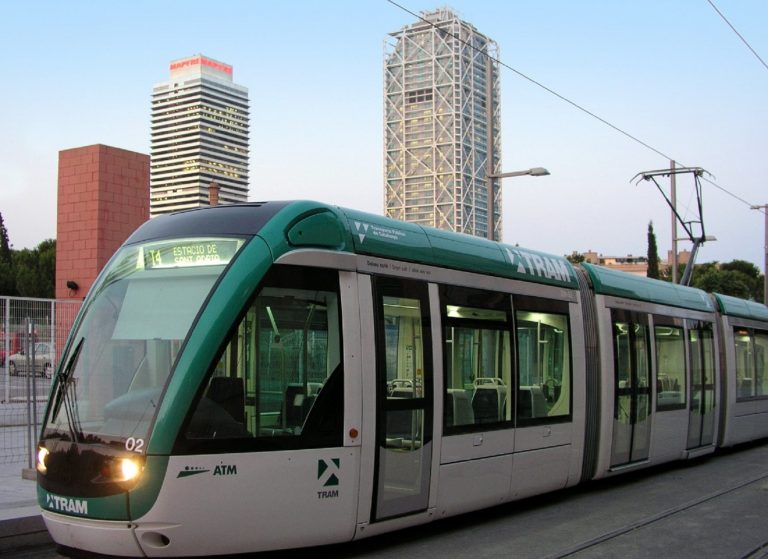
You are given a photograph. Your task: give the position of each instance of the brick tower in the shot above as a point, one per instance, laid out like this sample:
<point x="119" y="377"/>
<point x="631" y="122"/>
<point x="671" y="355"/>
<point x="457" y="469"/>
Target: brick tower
<point x="103" y="197"/>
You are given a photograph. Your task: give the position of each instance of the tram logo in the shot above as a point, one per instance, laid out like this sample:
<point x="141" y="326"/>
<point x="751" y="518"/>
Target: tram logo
<point x="225" y="470"/>
<point x="64" y="504"/>
<point x="192" y="471"/>
<point x="327" y="471"/>
<point x="386" y="233"/>
<point x="362" y="233"/>
<point x="536" y="265"/>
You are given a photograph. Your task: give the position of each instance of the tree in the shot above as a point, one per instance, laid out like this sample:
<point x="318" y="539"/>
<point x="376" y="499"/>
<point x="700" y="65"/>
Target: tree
<point x="36" y="270"/>
<point x="750" y="271"/>
<point x="737" y="278"/>
<point x="5" y="244"/>
<point x="653" y="254"/>
<point x="7" y="273"/>
<point x="575" y="257"/>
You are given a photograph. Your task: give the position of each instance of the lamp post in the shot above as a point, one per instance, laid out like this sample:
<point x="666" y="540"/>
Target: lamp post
<point x="533" y="171"/>
<point x="764" y="207"/>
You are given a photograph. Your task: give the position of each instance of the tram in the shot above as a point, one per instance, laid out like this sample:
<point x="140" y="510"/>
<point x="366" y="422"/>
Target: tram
<point x="286" y="374"/>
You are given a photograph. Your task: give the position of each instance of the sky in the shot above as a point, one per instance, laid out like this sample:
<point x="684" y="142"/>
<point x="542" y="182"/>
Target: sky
<point x="671" y="74"/>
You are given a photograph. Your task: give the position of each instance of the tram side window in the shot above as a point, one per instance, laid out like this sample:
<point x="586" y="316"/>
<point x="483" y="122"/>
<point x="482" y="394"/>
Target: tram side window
<point x="670" y="364"/>
<point x="761" y="363"/>
<point x="544" y="360"/>
<point x="279" y="380"/>
<point x="405" y="364"/>
<point x="478" y="362"/>
<point x="751" y="362"/>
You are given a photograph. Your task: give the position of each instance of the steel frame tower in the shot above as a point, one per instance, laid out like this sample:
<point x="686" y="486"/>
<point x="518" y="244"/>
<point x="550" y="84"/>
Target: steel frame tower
<point x="441" y="102"/>
<point x="200" y="122"/>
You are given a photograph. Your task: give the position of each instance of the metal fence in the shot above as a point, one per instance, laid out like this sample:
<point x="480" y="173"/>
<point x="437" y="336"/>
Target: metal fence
<point x="33" y="333"/>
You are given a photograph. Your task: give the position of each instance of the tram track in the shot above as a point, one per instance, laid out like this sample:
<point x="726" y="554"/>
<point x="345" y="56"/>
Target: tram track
<point x="759" y="552"/>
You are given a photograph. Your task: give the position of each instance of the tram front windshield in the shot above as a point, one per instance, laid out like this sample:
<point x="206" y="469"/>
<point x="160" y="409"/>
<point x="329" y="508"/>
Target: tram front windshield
<point x="137" y="317"/>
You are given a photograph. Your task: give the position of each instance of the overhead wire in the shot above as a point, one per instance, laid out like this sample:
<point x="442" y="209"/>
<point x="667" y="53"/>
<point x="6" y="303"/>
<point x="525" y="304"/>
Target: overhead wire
<point x="561" y="97"/>
<point x="743" y="40"/>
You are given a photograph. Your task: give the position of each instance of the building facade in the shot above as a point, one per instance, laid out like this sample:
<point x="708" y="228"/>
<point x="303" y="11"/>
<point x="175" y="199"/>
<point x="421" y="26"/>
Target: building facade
<point x="637" y="265"/>
<point x="200" y="124"/>
<point x="103" y="196"/>
<point x="441" y="126"/>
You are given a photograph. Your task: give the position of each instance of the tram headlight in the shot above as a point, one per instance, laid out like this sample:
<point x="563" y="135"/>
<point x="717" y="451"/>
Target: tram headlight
<point x="129" y="470"/>
<point x="42" y="456"/>
<point x="121" y="469"/>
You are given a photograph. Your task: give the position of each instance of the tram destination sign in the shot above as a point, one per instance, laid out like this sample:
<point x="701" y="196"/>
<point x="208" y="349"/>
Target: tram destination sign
<point x="187" y="253"/>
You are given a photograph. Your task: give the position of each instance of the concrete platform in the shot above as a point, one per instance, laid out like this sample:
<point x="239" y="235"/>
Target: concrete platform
<point x="20" y="522"/>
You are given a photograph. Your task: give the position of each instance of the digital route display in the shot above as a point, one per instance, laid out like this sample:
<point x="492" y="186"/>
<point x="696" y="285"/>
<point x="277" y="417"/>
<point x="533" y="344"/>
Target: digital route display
<point x="186" y="253"/>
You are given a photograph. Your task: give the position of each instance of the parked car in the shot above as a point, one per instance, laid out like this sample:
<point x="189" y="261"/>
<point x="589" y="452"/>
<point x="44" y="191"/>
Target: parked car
<point x="14" y="346"/>
<point x="45" y="357"/>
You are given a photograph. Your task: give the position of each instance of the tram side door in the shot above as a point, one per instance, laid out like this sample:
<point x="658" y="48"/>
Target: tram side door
<point x="632" y="391"/>
<point x="403" y="398"/>
<point x="701" y="423"/>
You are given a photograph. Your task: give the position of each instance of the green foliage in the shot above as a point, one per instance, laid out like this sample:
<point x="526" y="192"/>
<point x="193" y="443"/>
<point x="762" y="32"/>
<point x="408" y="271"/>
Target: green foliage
<point x="27" y="272"/>
<point x="5" y="244"/>
<point x="575" y="257"/>
<point x="737" y="278"/>
<point x="36" y="270"/>
<point x="653" y="254"/>
<point x="746" y="268"/>
<point x="7" y="279"/>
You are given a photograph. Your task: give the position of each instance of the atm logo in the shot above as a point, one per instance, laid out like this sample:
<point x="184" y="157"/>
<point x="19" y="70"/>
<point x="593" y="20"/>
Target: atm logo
<point x="225" y="470"/>
<point x="63" y="504"/>
<point x="220" y="470"/>
<point x="192" y="471"/>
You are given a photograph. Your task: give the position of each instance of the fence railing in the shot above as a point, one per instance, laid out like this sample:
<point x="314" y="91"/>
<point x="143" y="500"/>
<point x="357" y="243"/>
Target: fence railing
<point x="33" y="333"/>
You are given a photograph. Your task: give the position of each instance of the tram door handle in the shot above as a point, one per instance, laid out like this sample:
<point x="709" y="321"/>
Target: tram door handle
<point x="477" y="441"/>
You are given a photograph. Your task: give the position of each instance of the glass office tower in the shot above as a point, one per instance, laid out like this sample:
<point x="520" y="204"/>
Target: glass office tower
<point x="441" y="126"/>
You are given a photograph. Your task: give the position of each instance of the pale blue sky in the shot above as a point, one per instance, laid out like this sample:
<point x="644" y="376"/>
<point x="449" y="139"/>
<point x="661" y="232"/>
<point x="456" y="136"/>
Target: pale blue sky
<point x="668" y="72"/>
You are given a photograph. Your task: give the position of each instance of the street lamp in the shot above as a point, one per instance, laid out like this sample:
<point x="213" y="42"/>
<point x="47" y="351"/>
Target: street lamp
<point x="764" y="207"/>
<point x="533" y="171"/>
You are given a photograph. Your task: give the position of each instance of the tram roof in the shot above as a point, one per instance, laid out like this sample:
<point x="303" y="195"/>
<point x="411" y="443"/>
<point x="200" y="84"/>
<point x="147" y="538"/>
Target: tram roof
<point x="287" y="226"/>
<point x="620" y="284"/>
<point x="733" y="306"/>
<point x="374" y="235"/>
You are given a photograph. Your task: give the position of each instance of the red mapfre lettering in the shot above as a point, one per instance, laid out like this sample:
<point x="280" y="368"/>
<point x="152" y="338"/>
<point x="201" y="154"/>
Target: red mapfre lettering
<point x="202" y="60"/>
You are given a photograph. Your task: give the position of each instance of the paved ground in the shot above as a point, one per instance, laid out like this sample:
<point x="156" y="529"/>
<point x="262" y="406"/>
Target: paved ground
<point x="715" y="507"/>
<point x="20" y="521"/>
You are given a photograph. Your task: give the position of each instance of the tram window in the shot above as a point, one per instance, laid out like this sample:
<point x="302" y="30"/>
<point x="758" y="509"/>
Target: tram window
<point x="403" y="347"/>
<point x="670" y="363"/>
<point x="404" y="369"/>
<point x="761" y="363"/>
<point x="751" y="363"/>
<point x="279" y="379"/>
<point x="477" y="358"/>
<point x="544" y="360"/>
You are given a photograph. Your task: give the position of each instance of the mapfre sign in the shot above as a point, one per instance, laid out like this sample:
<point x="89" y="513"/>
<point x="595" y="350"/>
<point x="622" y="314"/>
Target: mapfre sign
<point x="200" y="60"/>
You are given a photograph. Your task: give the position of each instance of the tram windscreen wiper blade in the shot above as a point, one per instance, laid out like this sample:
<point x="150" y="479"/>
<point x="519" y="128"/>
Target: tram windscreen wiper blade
<point x="64" y="378"/>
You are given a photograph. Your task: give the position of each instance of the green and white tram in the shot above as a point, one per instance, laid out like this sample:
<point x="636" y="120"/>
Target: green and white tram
<point x="286" y="374"/>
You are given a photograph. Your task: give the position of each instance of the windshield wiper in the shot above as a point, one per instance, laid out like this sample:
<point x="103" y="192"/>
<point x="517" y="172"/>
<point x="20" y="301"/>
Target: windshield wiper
<point x="66" y="382"/>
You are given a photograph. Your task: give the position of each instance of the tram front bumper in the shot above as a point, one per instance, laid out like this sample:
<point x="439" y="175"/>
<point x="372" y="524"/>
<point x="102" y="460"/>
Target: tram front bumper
<point x="106" y="537"/>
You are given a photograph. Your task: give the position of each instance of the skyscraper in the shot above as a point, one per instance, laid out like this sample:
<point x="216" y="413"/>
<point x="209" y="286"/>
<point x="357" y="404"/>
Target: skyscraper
<point x="199" y="135"/>
<point x="441" y="120"/>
